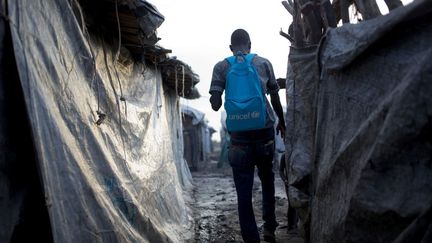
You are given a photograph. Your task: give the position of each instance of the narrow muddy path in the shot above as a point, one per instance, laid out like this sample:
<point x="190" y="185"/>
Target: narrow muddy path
<point x="215" y="207"/>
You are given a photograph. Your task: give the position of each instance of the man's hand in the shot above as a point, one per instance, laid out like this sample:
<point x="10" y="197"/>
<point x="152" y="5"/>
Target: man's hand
<point x="277" y="107"/>
<point x="216" y="100"/>
<point x="281" y="128"/>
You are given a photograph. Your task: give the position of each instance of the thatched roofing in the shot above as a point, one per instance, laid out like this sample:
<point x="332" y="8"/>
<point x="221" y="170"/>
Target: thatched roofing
<point x="180" y="77"/>
<point x="135" y="22"/>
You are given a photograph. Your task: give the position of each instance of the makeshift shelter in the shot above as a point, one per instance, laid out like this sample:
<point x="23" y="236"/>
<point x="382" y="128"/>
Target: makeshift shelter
<point x="359" y="129"/>
<point x="90" y="132"/>
<point x="197" y="137"/>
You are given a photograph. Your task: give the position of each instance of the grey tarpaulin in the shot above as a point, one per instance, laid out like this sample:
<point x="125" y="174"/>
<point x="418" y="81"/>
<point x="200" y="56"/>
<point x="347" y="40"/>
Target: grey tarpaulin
<point x="301" y="84"/>
<point x="120" y="181"/>
<point x="373" y="171"/>
<point x="301" y="90"/>
<point x="22" y="205"/>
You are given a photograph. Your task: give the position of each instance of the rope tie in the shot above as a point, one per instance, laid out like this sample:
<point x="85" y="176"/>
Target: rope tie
<point x="176" y="79"/>
<point x="183" y="80"/>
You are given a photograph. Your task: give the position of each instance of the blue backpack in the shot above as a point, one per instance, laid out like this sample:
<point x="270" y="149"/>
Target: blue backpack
<point x="244" y="99"/>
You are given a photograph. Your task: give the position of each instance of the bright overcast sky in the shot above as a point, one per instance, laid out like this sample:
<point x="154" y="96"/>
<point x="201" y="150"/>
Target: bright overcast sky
<point x="198" y="32"/>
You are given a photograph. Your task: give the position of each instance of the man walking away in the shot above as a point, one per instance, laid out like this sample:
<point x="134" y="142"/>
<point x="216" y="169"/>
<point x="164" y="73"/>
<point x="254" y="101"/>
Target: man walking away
<point x="246" y="78"/>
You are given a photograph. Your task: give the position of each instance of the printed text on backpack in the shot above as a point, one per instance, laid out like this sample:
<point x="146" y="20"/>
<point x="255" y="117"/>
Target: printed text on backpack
<point x="244" y="98"/>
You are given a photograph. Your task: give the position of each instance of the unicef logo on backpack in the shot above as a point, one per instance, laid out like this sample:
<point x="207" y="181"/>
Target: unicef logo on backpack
<point x="247" y="116"/>
<point x="255" y="114"/>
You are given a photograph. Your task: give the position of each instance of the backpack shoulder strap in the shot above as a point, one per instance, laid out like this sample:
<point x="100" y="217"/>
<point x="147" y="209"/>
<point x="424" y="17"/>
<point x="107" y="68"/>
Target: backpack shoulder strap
<point x="231" y="60"/>
<point x="249" y="57"/>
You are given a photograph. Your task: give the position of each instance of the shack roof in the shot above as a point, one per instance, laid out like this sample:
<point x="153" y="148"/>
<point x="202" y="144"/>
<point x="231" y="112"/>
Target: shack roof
<point x="134" y="23"/>
<point x="179" y="76"/>
<point x="197" y="116"/>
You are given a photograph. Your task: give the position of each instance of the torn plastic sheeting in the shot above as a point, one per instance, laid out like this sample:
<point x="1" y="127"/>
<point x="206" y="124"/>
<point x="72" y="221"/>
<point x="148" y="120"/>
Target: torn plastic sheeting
<point x="117" y="182"/>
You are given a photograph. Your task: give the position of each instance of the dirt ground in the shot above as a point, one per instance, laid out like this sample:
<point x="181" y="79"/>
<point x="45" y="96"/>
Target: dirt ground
<point x="215" y="207"/>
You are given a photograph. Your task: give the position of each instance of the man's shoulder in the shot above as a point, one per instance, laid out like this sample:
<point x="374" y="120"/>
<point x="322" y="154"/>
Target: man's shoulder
<point x="259" y="59"/>
<point x="224" y="65"/>
<point x="221" y="66"/>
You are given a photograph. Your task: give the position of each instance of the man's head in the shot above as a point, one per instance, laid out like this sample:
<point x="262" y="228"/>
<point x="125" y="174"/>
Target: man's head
<point x="240" y="41"/>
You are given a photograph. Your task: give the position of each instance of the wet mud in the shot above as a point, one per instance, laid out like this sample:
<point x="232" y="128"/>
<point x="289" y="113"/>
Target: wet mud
<point x="215" y="208"/>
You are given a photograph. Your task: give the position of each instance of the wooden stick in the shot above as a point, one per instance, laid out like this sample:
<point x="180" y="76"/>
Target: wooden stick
<point x="288" y="7"/>
<point x="286" y="36"/>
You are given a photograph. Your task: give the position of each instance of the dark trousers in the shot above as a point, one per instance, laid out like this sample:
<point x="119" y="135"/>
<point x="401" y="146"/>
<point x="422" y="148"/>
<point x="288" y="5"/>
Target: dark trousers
<point x="244" y="155"/>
